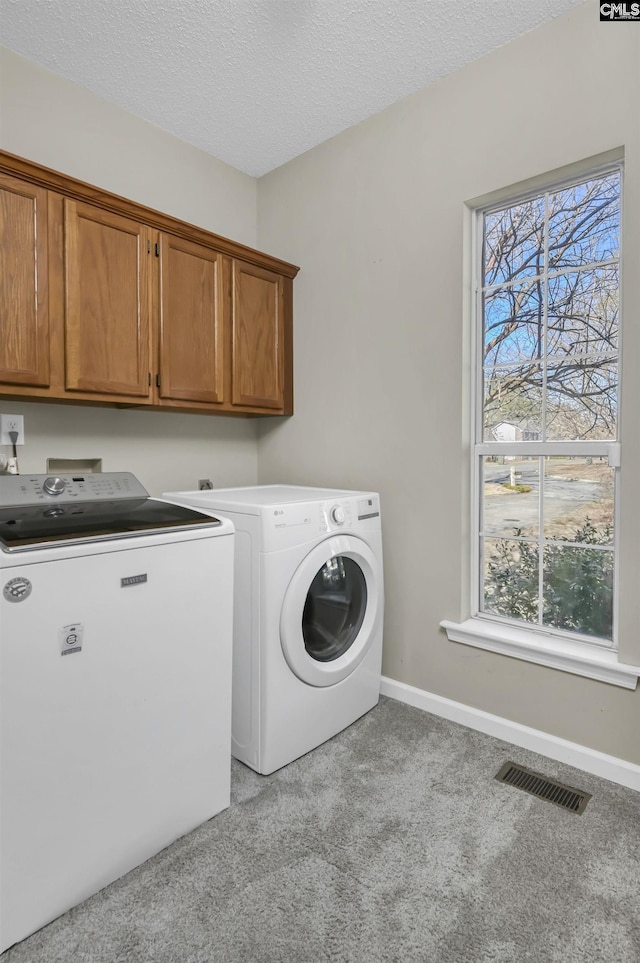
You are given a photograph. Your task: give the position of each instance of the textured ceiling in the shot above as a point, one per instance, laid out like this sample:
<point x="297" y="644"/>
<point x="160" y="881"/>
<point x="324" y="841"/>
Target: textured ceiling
<point x="257" y="82"/>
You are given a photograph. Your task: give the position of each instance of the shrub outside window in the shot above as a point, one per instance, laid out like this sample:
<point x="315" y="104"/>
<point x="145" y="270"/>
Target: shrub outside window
<point x="546" y="450"/>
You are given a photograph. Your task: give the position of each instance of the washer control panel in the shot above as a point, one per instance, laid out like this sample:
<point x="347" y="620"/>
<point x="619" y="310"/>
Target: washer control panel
<point x="92" y="487"/>
<point x="54" y="485"/>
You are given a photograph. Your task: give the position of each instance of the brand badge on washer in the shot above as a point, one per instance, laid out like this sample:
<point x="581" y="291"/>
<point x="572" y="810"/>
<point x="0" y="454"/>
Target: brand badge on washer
<point x="70" y="637"/>
<point x="17" y="589"/>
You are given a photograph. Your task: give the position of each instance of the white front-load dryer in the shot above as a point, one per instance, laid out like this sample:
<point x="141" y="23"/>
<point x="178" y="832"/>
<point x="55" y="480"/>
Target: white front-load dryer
<point x="308" y="614"/>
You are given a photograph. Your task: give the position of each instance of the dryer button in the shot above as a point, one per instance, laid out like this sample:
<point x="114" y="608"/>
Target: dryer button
<point x="337" y="514"/>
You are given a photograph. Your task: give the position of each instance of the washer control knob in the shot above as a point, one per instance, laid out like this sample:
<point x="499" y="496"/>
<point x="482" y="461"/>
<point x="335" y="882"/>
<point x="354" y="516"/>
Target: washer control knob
<point x="54" y="485"/>
<point x="337" y="514"/>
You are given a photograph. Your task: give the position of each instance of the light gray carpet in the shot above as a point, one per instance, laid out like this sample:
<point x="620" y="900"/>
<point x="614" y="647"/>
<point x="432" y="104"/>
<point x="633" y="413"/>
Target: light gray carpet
<point x="392" y="842"/>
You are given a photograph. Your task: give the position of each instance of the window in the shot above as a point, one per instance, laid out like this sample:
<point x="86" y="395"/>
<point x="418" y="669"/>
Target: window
<point x="548" y="332"/>
<point x="545" y="437"/>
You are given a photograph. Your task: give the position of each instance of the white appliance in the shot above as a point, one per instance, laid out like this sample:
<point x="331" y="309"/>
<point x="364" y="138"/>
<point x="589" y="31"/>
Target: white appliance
<point x="307" y="615"/>
<point x="115" y="685"/>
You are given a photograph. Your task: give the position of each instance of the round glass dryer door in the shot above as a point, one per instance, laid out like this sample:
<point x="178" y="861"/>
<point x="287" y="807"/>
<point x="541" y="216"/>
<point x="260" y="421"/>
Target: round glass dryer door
<point x="334" y="610"/>
<point x="331" y="610"/>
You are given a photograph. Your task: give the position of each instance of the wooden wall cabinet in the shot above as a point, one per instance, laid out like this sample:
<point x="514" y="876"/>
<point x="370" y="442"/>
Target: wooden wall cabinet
<point x="104" y="301"/>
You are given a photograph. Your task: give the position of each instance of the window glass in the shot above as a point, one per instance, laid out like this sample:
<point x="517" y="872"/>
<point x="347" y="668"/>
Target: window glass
<point x="582" y="400"/>
<point x="578" y="590"/>
<point x="510" y="580"/>
<point x="584" y="222"/>
<point x="510" y="496"/>
<point x="583" y="313"/>
<point x="514" y="242"/>
<point x="512" y="406"/>
<point x="578" y="504"/>
<point x="548" y="364"/>
<point x="513" y="324"/>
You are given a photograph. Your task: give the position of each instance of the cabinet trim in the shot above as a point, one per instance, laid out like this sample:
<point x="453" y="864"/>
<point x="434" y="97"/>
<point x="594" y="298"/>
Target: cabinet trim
<point x="81" y="191"/>
<point x="250" y="345"/>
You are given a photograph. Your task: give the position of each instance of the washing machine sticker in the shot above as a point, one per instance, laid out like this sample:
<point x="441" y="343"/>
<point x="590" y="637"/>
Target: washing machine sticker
<point x="331" y="611"/>
<point x="17" y="589"/>
<point x="70" y="638"/>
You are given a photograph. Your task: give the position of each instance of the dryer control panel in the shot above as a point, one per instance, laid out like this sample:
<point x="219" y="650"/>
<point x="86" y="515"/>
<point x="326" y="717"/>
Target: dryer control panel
<point x="299" y="522"/>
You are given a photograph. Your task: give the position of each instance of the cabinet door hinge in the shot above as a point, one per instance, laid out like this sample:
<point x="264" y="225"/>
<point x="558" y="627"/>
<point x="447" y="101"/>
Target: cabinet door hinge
<point x="148" y="247"/>
<point x="157" y="250"/>
<point x="149" y="379"/>
<point x="157" y="381"/>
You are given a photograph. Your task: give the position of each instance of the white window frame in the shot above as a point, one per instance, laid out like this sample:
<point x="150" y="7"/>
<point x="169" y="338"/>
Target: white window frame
<point x="570" y="652"/>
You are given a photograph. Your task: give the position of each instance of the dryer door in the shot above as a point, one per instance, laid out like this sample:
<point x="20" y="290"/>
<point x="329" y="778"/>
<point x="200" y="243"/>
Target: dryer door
<point x="331" y="610"/>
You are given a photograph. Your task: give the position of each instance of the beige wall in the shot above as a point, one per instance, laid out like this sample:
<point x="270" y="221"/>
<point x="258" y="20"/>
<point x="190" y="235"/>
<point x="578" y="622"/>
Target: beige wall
<point x="56" y="123"/>
<point x="375" y="217"/>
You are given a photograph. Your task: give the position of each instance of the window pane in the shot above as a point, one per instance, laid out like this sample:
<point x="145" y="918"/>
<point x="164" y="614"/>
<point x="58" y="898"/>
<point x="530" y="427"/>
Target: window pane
<point x="513" y="403"/>
<point x="513" y="324"/>
<point x="510" y="496"/>
<point x="578" y="500"/>
<point x="513" y="242"/>
<point x="510" y="579"/>
<point x="584" y="222"/>
<point x="582" y="400"/>
<point x="578" y="590"/>
<point x="583" y="313"/>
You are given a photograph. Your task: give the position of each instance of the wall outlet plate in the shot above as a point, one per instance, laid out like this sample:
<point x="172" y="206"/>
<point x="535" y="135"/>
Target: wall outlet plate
<point x="205" y="484"/>
<point x="11" y="423"/>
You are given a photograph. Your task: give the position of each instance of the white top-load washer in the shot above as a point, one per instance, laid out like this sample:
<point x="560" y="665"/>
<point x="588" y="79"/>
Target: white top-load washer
<point x="115" y="684"/>
<point x="308" y="614"/>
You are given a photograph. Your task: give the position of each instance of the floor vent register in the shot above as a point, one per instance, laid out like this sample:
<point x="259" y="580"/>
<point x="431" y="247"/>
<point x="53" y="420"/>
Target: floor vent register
<point x="538" y="785"/>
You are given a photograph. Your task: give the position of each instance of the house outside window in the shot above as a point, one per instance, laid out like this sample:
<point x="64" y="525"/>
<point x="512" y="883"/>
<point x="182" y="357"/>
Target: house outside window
<point x="545" y="438"/>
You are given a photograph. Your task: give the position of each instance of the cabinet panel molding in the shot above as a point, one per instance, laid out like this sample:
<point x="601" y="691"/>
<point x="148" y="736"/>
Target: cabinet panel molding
<point x="106" y="302"/>
<point x="24" y="309"/>
<point x="81" y="191"/>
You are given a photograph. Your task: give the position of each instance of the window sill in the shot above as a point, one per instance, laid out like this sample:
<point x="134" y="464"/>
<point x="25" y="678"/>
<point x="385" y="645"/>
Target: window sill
<point x="576" y="657"/>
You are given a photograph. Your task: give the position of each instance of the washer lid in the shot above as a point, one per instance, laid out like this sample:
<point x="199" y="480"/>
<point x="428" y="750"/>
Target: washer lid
<point x="38" y="526"/>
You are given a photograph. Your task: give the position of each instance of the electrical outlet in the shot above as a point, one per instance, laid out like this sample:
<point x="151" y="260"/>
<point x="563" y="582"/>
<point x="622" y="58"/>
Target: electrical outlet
<point x="205" y="484"/>
<point x="11" y="423"/>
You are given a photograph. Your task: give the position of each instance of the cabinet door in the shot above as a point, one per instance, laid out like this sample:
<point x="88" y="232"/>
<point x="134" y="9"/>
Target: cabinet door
<point x="107" y="302"/>
<point x="191" y="322"/>
<point x="257" y="337"/>
<point x="24" y="314"/>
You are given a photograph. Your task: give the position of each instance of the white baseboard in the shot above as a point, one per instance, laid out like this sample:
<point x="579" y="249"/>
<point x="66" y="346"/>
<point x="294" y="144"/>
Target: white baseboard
<point x="598" y="763"/>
